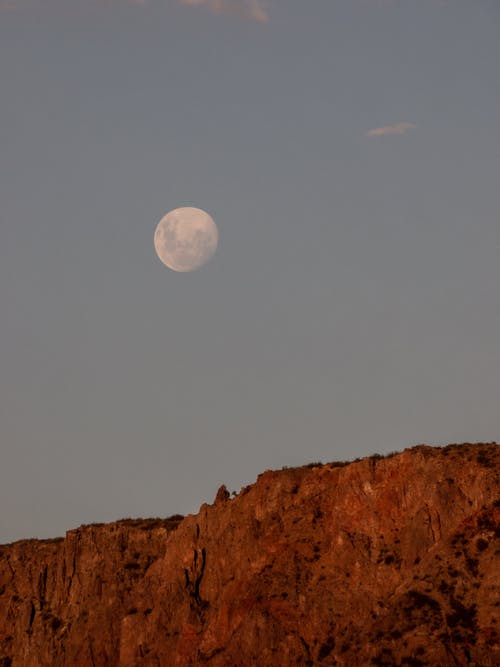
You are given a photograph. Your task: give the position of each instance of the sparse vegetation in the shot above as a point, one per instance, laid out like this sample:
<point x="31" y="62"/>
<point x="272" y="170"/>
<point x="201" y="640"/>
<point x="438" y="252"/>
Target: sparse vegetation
<point x="132" y="565"/>
<point x="170" y="523"/>
<point x="412" y="661"/>
<point x="461" y="615"/>
<point x="385" y="658"/>
<point x="326" y="648"/>
<point x="472" y="565"/>
<point x="482" y="544"/>
<point x="55" y="623"/>
<point x="420" y="600"/>
<point x="485" y="460"/>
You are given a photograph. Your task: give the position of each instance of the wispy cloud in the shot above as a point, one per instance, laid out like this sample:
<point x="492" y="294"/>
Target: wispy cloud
<point x="397" y="128"/>
<point x="8" y="6"/>
<point x="253" y="10"/>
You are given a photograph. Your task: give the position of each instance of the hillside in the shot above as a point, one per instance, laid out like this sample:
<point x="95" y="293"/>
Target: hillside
<point x="382" y="561"/>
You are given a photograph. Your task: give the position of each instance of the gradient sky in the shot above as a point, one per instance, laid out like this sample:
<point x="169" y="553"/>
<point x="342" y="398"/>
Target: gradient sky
<point x="349" y="152"/>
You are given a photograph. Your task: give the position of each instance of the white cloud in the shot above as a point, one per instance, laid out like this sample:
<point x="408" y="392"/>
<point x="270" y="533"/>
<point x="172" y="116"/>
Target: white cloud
<point x="246" y="9"/>
<point x="397" y="128"/>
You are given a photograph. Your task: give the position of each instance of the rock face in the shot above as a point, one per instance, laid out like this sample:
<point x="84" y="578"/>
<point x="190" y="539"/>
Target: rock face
<point x="382" y="561"/>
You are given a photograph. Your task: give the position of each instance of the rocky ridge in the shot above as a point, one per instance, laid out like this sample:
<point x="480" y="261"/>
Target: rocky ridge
<point x="382" y="561"/>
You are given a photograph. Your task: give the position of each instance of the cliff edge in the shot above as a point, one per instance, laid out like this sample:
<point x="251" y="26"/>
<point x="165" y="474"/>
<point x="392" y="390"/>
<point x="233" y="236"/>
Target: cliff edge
<point x="382" y="561"/>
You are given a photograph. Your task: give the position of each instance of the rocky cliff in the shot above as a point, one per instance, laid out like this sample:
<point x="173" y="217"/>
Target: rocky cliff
<point x="382" y="561"/>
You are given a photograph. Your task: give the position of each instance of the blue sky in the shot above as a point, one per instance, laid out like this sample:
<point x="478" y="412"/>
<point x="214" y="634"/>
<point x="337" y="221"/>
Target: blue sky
<point x="349" y="152"/>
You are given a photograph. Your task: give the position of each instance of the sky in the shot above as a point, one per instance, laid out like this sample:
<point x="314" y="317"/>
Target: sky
<point x="349" y="153"/>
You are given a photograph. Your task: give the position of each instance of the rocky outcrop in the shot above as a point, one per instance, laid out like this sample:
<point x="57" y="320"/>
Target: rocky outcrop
<point x="63" y="601"/>
<point x="382" y="561"/>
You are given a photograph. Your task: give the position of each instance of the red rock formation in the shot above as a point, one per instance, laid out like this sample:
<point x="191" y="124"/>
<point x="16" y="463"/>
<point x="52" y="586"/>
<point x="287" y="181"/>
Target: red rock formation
<point x="383" y="561"/>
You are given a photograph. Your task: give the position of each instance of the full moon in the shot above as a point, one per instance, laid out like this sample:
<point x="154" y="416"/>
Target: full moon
<point x="186" y="238"/>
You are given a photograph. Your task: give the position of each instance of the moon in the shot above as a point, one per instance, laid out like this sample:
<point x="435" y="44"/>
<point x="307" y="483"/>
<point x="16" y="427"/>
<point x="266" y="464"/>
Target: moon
<point x="186" y="238"/>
